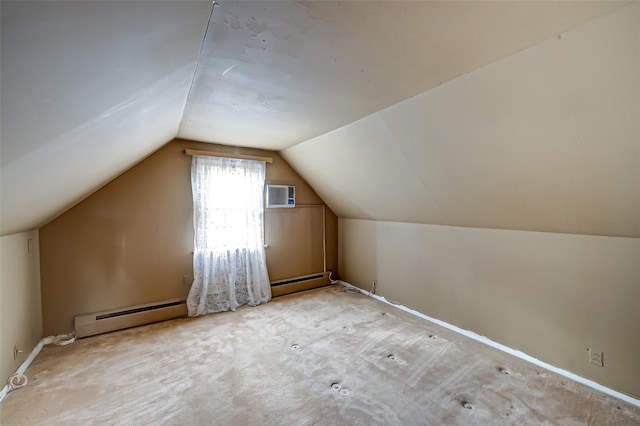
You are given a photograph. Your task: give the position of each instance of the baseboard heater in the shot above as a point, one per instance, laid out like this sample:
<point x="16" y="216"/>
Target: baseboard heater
<point x="118" y="319"/>
<point x="294" y="285"/>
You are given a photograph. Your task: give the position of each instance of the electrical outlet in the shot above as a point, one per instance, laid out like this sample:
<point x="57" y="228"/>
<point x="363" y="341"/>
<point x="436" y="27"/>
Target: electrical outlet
<point x="187" y="279"/>
<point x="596" y="357"/>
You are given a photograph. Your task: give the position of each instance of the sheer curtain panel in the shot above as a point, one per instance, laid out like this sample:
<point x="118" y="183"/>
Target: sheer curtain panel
<point x="229" y="263"/>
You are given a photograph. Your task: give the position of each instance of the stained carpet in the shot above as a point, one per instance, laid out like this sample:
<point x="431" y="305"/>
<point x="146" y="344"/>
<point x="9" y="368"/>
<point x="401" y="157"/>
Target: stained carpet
<point x="325" y="357"/>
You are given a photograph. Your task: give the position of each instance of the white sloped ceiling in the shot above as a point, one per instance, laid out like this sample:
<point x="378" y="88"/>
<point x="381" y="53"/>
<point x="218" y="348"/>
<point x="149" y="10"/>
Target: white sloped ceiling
<point x="90" y="87"/>
<point x="273" y="74"/>
<point x="547" y="139"/>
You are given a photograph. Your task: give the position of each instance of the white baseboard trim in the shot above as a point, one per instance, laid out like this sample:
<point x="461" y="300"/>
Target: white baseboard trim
<point x="23" y="367"/>
<point x="503" y="348"/>
<point x="58" y="340"/>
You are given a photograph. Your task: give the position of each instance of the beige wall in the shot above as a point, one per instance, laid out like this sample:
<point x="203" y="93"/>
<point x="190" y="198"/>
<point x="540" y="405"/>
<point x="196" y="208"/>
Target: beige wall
<point x="551" y="296"/>
<point x="131" y="242"/>
<point x="20" y="310"/>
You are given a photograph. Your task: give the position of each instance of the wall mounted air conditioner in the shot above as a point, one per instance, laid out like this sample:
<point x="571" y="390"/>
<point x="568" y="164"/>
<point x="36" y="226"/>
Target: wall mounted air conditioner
<point x="281" y="196"/>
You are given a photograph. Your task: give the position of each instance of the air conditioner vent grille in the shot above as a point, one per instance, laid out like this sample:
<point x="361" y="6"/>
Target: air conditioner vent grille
<point x="281" y="196"/>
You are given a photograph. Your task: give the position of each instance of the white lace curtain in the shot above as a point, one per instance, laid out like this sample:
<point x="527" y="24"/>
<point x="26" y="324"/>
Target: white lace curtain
<point x="229" y="263"/>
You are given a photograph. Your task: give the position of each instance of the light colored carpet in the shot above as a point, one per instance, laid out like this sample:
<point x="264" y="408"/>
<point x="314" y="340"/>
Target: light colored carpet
<point x="320" y="357"/>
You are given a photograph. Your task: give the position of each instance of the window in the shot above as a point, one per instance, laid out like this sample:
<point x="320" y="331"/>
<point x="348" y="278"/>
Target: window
<point x="229" y="260"/>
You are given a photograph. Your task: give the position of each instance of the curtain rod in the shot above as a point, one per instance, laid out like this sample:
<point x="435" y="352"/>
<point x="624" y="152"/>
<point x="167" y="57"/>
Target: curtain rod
<point x="228" y="155"/>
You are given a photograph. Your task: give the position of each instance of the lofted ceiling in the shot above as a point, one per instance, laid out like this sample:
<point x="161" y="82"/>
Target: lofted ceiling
<point x="274" y="74"/>
<point x="90" y="88"/>
<point x="546" y="139"/>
